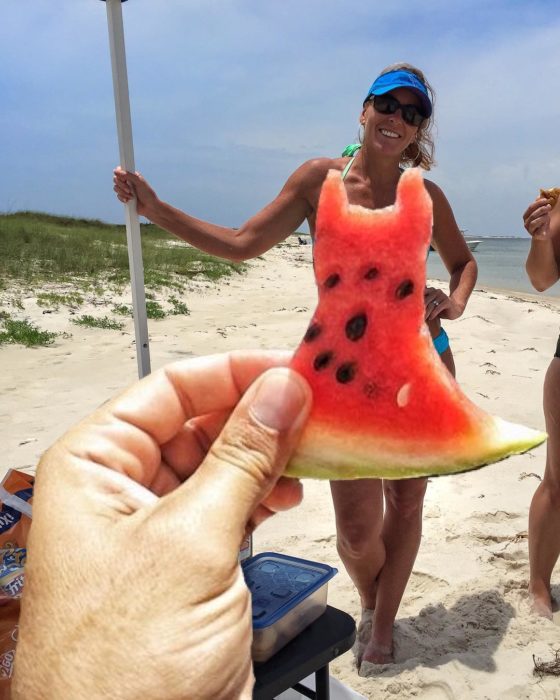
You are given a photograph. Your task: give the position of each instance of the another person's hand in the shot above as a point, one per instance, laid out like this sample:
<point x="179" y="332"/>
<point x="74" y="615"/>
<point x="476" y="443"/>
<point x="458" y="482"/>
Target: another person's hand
<point x="438" y="304"/>
<point x="133" y="588"/>
<point x="554" y="221"/>
<point x="536" y="218"/>
<point x="128" y="185"/>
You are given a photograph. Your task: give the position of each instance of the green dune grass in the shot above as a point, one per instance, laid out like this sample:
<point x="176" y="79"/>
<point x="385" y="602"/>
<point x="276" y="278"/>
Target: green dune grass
<point x="37" y="248"/>
<point x="62" y="259"/>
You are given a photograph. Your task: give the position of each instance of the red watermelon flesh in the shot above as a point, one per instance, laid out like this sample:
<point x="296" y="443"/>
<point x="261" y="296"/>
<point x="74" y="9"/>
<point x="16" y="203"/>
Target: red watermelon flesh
<point x="384" y="405"/>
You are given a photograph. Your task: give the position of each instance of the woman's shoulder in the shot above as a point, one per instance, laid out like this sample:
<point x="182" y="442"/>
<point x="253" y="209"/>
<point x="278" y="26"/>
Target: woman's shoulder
<point x="315" y="170"/>
<point x="321" y="166"/>
<point x="444" y="218"/>
<point x="432" y="187"/>
<point x="436" y="193"/>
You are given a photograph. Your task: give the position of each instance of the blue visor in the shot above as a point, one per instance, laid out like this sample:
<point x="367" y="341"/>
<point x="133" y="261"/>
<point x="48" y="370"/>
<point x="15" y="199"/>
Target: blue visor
<point x="401" y="79"/>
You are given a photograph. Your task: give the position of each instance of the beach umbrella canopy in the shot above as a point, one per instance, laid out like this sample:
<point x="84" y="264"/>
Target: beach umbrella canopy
<point x="126" y="152"/>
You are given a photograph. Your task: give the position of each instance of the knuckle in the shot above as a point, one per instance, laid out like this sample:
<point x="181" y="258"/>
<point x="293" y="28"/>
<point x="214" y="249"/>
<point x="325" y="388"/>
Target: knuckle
<point x="248" y="448"/>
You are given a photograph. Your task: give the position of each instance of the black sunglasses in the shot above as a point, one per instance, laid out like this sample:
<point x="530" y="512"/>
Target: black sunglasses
<point x="387" y="104"/>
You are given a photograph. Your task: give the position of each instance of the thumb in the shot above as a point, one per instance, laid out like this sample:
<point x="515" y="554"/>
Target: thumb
<point x="248" y="457"/>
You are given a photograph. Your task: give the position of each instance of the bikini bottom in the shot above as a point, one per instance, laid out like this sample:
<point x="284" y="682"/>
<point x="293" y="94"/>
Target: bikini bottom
<point x="441" y="343"/>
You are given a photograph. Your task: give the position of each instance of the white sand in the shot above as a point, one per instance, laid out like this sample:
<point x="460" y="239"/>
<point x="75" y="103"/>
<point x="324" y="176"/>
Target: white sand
<point x="463" y="629"/>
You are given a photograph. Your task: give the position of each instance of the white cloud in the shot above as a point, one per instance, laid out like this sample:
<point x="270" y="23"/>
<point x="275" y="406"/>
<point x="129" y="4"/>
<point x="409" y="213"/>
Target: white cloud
<point x="229" y="96"/>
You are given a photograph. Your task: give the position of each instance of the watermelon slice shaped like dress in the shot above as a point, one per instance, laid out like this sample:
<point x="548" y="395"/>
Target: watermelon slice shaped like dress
<point x="384" y="404"/>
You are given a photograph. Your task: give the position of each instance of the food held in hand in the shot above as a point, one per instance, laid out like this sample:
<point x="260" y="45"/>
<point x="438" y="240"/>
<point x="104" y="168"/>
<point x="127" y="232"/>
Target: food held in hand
<point x="384" y="404"/>
<point x="551" y="195"/>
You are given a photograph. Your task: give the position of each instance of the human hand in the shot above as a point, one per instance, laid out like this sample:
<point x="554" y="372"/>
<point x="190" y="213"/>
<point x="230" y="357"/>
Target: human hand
<point x="128" y="185"/>
<point x="438" y="304"/>
<point x="133" y="587"/>
<point x="536" y="218"/>
<point x="554" y="220"/>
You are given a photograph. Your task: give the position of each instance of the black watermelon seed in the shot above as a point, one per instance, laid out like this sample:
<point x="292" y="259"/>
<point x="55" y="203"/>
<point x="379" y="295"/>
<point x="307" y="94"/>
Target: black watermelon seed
<point x="356" y="327"/>
<point x="314" y="331"/>
<point x="371" y="274"/>
<point x="332" y="280"/>
<point x="322" y="360"/>
<point x="346" y="372"/>
<point x="404" y="289"/>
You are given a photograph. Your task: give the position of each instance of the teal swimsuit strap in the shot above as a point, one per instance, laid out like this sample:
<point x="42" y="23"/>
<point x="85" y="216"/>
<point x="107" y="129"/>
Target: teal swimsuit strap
<point x="348" y="166"/>
<point x="351" y="150"/>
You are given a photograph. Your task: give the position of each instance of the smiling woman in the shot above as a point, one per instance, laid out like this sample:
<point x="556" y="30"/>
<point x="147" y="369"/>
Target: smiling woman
<point x="377" y="545"/>
<point x="383" y="97"/>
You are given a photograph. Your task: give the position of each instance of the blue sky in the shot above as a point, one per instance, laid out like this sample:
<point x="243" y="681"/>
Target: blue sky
<point x="228" y="97"/>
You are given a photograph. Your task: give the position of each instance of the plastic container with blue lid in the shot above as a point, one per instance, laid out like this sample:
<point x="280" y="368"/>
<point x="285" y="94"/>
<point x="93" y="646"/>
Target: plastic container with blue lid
<point x="288" y="594"/>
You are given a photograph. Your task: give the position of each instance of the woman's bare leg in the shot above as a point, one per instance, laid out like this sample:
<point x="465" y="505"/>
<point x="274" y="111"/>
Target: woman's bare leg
<point x="544" y="514"/>
<point x="379" y="549"/>
<point x="402" y="532"/>
<point x="358" y="507"/>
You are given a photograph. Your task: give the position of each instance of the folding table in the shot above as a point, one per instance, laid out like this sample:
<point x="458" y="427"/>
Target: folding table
<point x="310" y="652"/>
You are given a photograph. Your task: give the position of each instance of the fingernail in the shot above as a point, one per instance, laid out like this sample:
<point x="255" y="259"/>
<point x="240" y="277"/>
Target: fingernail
<point x="280" y="399"/>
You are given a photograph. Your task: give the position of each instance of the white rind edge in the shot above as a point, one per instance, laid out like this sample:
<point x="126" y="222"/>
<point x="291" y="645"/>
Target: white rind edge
<point x="323" y="455"/>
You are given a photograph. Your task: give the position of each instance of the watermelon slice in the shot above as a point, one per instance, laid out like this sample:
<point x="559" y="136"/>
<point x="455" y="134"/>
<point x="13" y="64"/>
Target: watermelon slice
<point x="384" y="405"/>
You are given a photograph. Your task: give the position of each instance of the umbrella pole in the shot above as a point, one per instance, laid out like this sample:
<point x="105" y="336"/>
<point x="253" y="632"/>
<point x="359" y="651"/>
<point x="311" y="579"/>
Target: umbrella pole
<point x="124" y="128"/>
<point x="126" y="151"/>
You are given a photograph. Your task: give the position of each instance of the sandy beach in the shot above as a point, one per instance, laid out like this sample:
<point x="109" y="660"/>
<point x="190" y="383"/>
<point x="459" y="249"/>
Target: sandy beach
<point x="464" y="628"/>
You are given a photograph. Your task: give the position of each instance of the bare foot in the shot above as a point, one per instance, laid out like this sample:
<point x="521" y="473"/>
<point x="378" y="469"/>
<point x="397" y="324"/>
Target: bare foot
<point x="375" y="653"/>
<point x="541" y="605"/>
<point x="363" y="634"/>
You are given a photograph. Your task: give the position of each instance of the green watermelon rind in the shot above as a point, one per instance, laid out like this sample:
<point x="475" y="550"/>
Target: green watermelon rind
<point x="508" y="439"/>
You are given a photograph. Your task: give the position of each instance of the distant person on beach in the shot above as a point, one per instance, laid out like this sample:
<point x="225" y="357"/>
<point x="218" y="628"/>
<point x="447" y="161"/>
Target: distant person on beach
<point x="542" y="221"/>
<point x="133" y="587"/>
<point x="378" y="543"/>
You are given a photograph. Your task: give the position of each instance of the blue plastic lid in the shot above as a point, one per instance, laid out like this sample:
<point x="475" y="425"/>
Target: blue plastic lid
<point x="278" y="583"/>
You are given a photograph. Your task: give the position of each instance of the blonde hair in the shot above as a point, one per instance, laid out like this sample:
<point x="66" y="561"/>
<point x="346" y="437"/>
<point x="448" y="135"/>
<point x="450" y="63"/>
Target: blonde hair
<point x="421" y="151"/>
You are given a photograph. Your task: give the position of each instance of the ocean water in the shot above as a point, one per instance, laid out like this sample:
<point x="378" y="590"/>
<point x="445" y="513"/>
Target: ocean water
<point x="501" y="264"/>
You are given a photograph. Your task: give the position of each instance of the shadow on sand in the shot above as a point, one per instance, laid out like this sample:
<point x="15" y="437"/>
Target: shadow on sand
<point x="555" y="593"/>
<point x="469" y="632"/>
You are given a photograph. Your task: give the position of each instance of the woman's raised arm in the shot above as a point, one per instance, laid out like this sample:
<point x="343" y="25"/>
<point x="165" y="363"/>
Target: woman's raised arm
<point x="261" y="232"/>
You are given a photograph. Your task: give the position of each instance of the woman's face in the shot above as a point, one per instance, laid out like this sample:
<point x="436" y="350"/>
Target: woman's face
<point x="389" y="133"/>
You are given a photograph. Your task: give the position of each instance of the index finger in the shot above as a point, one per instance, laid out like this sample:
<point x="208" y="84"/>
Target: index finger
<point x="161" y="403"/>
<point x="532" y="208"/>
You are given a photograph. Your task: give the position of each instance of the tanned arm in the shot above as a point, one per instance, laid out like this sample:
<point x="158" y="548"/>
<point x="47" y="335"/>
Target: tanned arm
<point x="454" y="252"/>
<point x="543" y="261"/>
<point x="261" y="232"/>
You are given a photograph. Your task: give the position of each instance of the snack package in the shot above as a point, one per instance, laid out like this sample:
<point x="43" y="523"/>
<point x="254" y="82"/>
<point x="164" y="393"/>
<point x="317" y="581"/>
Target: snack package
<point x="12" y="561"/>
<point x="9" y="615"/>
<point x="16" y="494"/>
